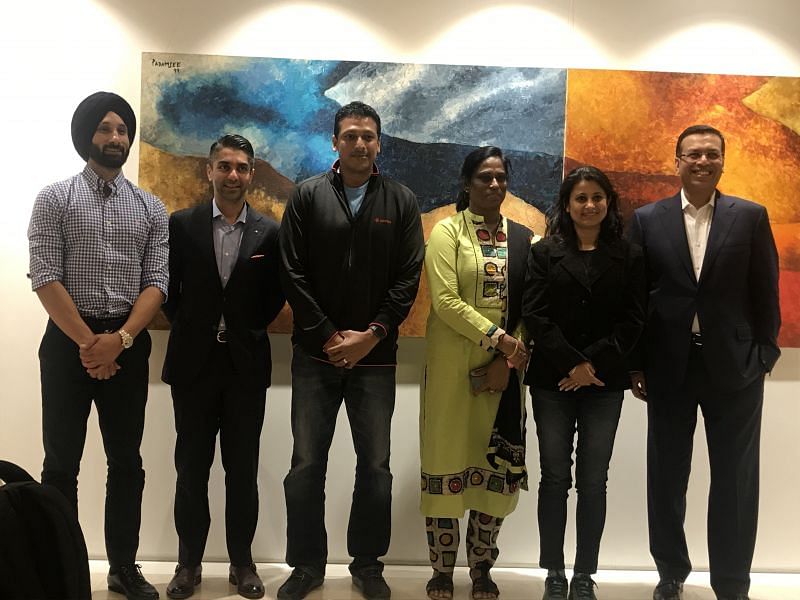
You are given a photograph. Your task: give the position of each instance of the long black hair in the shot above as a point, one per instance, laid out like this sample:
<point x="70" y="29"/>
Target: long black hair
<point x="559" y="223"/>
<point x="471" y="163"/>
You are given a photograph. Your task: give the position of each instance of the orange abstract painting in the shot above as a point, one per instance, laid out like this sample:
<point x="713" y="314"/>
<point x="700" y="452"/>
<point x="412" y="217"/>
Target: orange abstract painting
<point x="626" y="123"/>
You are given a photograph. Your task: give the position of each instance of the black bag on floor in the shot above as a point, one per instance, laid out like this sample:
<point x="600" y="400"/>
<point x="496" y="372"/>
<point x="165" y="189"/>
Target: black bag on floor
<point x="42" y="550"/>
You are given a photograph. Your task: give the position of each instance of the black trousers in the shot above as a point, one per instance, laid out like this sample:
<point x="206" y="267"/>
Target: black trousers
<point x="67" y="396"/>
<point x="218" y="401"/>
<point x="733" y="432"/>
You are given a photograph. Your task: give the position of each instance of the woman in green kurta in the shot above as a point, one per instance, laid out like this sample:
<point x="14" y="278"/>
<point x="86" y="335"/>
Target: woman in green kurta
<point x="472" y="415"/>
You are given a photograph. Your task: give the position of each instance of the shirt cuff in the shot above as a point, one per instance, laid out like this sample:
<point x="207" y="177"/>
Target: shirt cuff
<point x="491" y="338"/>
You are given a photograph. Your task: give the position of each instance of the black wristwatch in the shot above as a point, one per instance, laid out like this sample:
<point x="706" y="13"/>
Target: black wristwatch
<point x="378" y="331"/>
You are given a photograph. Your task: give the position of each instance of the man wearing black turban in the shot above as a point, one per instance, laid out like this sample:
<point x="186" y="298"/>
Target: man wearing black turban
<point x="98" y="262"/>
<point x="87" y="116"/>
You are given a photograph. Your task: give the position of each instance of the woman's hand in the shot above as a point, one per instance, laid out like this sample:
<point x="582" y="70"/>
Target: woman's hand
<point x="581" y="375"/>
<point x="515" y="352"/>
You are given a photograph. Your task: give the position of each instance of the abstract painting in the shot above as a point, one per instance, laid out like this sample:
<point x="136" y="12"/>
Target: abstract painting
<point x="546" y="120"/>
<point x="432" y="117"/>
<point x="627" y="122"/>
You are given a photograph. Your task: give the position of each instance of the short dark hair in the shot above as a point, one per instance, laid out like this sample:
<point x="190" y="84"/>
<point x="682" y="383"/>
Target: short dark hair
<point x="355" y="109"/>
<point x="471" y="164"/>
<point x="695" y="129"/>
<point x="559" y="223"/>
<point x="235" y="141"/>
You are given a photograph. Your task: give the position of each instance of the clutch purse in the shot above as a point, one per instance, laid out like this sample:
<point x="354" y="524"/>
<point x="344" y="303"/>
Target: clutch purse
<point x="477" y="378"/>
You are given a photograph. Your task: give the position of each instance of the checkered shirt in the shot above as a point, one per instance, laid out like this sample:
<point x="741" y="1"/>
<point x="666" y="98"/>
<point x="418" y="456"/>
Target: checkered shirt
<point x="104" y="251"/>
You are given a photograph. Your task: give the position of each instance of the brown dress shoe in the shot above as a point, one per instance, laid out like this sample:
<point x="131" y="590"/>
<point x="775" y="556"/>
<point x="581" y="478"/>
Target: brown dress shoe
<point x="183" y="583"/>
<point x="247" y="581"/>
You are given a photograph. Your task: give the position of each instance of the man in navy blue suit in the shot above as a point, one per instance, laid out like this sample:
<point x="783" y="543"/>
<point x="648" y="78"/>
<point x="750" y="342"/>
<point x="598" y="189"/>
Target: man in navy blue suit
<point x="223" y="292"/>
<point x="710" y="337"/>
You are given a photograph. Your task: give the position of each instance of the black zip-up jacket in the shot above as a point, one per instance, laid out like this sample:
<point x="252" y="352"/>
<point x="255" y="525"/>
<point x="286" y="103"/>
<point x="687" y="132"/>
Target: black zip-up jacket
<point x="343" y="271"/>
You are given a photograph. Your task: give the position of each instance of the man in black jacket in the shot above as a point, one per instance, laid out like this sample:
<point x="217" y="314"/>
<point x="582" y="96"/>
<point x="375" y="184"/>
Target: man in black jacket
<point x="224" y="291"/>
<point x="351" y="247"/>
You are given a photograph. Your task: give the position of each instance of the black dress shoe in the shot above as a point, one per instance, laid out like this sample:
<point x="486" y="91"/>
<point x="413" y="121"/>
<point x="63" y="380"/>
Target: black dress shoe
<point x="668" y="590"/>
<point x="298" y="585"/>
<point x="555" y="588"/>
<point x="182" y="584"/>
<point x="582" y="588"/>
<point x="739" y="596"/>
<point x="128" y="580"/>
<point x="247" y="581"/>
<point x="370" y="582"/>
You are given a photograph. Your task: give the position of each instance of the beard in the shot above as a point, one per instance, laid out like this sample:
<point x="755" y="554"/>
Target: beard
<point x="106" y="159"/>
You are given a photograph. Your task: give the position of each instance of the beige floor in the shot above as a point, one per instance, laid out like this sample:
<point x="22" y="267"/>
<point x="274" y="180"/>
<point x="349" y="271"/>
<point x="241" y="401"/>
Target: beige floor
<point x="409" y="583"/>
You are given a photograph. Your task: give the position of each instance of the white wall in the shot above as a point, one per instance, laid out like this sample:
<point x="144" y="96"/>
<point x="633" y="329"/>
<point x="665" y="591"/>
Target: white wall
<point x="58" y="52"/>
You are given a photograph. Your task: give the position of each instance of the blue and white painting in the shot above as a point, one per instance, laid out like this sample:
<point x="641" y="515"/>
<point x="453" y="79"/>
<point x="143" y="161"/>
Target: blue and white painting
<point x="432" y="117"/>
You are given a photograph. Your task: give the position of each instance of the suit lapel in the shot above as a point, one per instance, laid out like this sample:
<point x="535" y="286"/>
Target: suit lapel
<point x="671" y="215"/>
<point x="573" y="264"/>
<point x="204" y="231"/>
<point x="721" y="223"/>
<point x="251" y="238"/>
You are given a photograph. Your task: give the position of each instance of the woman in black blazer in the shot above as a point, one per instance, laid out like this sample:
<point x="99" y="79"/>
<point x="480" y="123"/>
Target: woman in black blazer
<point x="584" y="308"/>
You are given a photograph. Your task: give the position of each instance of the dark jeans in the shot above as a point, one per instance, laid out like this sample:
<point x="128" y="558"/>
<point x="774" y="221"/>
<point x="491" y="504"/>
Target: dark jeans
<point x="218" y="400"/>
<point x="67" y="396"/>
<point x="318" y="389"/>
<point x="558" y="415"/>
<point x="733" y="432"/>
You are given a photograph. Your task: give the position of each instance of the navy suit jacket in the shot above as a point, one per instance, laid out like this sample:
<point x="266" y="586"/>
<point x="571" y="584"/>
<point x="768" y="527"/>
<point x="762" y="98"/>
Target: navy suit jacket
<point x="250" y="301"/>
<point x="735" y="297"/>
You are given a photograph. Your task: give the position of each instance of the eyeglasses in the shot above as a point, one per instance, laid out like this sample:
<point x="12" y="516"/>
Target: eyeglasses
<point x="487" y="178"/>
<point x="693" y="157"/>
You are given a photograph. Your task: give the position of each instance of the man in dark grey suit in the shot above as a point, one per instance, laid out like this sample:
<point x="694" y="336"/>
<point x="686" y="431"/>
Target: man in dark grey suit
<point x="710" y="337"/>
<point x="223" y="292"/>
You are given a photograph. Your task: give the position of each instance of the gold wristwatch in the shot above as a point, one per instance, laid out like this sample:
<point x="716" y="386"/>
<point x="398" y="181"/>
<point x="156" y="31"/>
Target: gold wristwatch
<point x="127" y="338"/>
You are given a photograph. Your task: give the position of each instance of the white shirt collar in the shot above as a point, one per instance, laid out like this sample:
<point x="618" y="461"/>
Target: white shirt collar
<point x="216" y="212"/>
<point x="685" y="202"/>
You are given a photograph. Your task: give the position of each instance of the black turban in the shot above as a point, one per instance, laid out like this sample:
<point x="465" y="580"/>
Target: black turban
<point x="89" y="114"/>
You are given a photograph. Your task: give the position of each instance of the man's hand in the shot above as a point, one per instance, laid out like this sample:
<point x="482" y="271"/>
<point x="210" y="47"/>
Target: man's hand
<point x="104" y="372"/>
<point x="348" y="347"/>
<point x="581" y="375"/>
<point x="638" y="385"/>
<point x="104" y="351"/>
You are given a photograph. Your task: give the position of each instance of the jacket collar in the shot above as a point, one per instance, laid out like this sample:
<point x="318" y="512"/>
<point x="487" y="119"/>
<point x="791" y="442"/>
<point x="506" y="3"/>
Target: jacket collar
<point x="572" y="261"/>
<point x="335" y="168"/>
